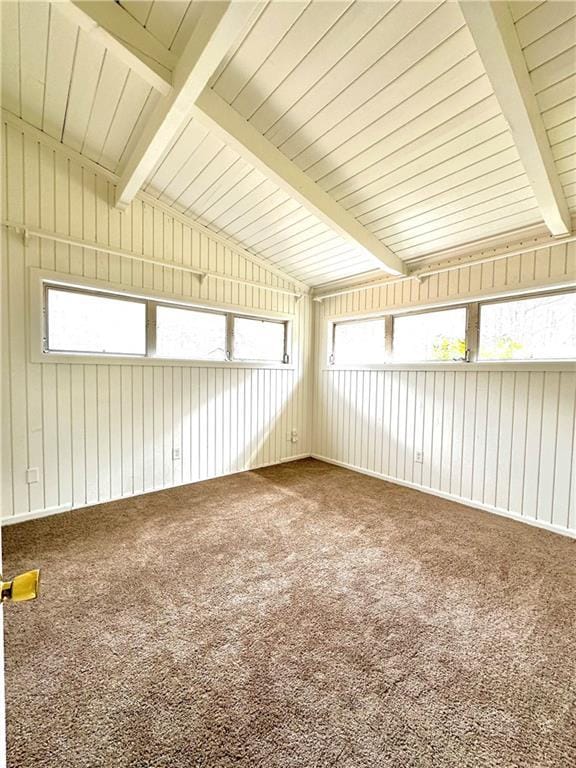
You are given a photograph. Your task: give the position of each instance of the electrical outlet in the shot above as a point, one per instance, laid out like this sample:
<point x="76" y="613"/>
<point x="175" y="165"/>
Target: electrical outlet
<point x="175" y="454"/>
<point x="419" y="457"/>
<point x="293" y="436"/>
<point x="32" y="475"/>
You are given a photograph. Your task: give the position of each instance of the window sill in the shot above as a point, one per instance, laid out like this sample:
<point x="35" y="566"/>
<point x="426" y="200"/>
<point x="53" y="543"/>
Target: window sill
<point x="71" y="359"/>
<point x="492" y="365"/>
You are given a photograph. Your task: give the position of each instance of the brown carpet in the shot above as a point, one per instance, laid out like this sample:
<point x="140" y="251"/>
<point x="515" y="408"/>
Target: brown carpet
<point x="300" y="615"/>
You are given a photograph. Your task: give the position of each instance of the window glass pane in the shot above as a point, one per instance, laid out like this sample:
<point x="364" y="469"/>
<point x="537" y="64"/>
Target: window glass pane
<point x="258" y="339"/>
<point x="190" y="334"/>
<point x="82" y="322"/>
<point x="437" y="335"/>
<point x="360" y="342"/>
<point x="542" y="328"/>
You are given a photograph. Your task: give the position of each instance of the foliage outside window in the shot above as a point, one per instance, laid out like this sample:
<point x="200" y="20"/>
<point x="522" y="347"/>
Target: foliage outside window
<point x="437" y="335"/>
<point x="537" y="328"/>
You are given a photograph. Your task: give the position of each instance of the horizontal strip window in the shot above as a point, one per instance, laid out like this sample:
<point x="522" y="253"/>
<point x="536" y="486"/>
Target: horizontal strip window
<point x="536" y="327"/>
<point x="81" y="321"/>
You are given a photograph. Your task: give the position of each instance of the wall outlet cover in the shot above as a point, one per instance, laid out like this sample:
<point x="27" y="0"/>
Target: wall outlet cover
<point x="32" y="475"/>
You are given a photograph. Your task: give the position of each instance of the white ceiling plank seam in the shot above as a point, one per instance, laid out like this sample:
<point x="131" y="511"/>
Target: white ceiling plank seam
<point x="492" y="28"/>
<point x="124" y="37"/>
<point x="218" y="27"/>
<point x="238" y="133"/>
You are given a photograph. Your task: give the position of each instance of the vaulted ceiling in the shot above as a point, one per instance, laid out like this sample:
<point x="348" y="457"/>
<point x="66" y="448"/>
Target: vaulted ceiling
<point x="330" y="138"/>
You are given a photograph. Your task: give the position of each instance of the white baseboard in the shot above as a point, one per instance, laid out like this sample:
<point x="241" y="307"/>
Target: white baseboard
<point x="441" y="494"/>
<point x="453" y="497"/>
<point x="44" y="512"/>
<point x="47" y="511"/>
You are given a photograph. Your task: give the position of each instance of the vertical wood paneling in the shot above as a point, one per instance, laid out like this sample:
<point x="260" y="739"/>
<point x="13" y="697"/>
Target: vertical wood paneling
<point x="501" y="491"/>
<point x="563" y="498"/>
<point x="499" y="438"/>
<point x="547" y="457"/>
<point x="64" y="435"/>
<point x="79" y="495"/>
<point x="97" y="432"/>
<point x="532" y="446"/>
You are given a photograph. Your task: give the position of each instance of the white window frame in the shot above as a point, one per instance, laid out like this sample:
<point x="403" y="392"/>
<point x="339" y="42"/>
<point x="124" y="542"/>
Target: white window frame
<point x="47" y="286"/>
<point x="42" y="280"/>
<point x="510" y="299"/>
<point x="472" y="337"/>
<point x="468" y="340"/>
<point x="230" y="336"/>
<point x="387" y="319"/>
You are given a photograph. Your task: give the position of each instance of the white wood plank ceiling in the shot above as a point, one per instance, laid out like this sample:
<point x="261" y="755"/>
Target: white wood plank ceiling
<point x="386" y="107"/>
<point x="60" y="80"/>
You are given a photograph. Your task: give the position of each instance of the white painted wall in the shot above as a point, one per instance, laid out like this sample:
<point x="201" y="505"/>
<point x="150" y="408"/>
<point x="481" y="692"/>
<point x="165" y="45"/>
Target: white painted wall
<point x="500" y="437"/>
<point x="101" y="431"/>
<point x="497" y="437"/>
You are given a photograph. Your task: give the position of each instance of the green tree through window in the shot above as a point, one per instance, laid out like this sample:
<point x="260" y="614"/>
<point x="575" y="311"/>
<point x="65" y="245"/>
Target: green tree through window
<point x="500" y="348"/>
<point x="448" y="348"/>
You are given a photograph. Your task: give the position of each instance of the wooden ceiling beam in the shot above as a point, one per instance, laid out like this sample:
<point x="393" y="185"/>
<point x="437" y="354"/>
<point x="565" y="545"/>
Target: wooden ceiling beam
<point x="492" y="28"/>
<point x="218" y="27"/>
<point x="226" y="122"/>
<point x="188" y="95"/>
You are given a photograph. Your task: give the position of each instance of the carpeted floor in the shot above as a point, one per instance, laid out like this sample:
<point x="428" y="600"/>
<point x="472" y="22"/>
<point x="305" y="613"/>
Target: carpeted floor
<point x="300" y="615"/>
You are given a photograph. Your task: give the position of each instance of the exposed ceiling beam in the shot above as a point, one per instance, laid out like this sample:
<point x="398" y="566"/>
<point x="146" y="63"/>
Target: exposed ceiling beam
<point x="218" y="27"/>
<point x="494" y="33"/>
<point x="213" y="36"/>
<point x="124" y="37"/>
<point x="237" y="132"/>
